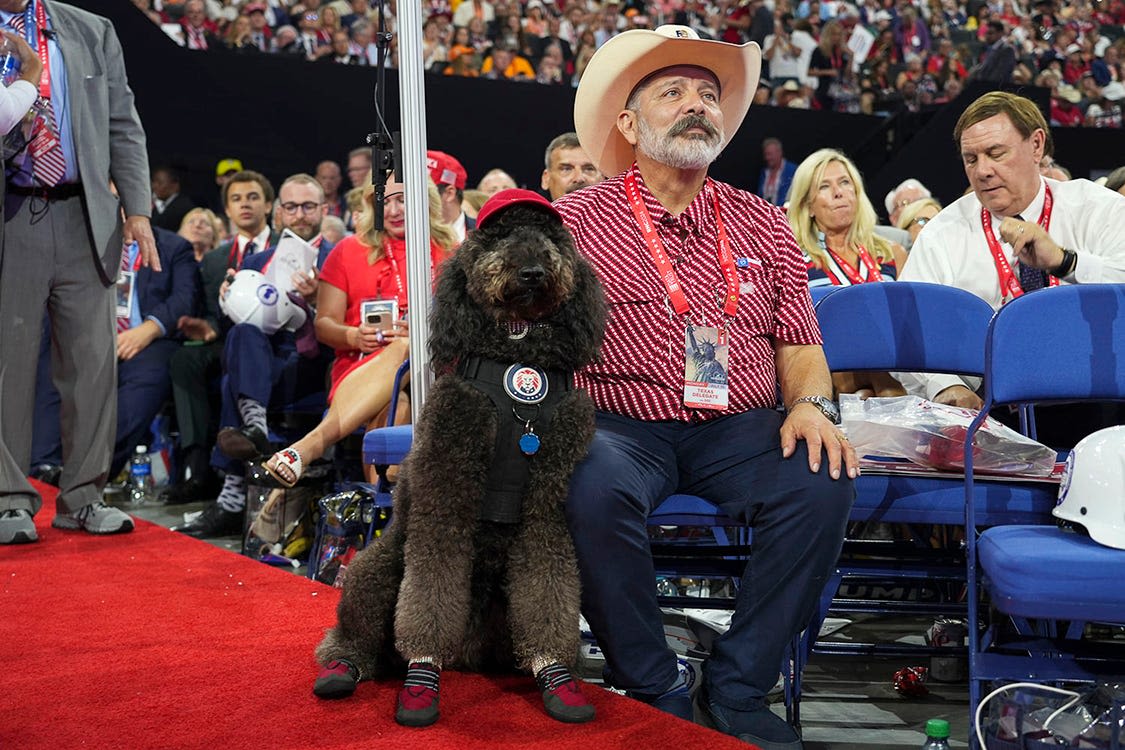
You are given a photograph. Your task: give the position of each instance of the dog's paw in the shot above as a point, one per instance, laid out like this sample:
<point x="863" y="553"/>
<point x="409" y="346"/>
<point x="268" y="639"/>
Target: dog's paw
<point x="337" y="679"/>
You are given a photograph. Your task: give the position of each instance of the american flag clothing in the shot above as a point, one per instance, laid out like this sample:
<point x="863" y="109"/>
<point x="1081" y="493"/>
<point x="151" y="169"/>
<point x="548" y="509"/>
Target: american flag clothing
<point x="833" y="275"/>
<point x="641" y="370"/>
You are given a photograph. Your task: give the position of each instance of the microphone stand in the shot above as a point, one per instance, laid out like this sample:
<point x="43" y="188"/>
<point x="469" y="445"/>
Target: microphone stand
<point x="386" y="149"/>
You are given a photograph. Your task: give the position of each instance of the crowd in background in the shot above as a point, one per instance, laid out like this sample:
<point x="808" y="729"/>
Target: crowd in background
<point x="873" y="56"/>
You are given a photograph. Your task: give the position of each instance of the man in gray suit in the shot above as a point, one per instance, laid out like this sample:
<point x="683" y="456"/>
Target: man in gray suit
<point x="61" y="251"/>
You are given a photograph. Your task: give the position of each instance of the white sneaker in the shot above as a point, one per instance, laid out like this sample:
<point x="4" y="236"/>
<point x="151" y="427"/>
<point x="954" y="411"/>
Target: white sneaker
<point x="17" y="527"/>
<point x="96" y="518"/>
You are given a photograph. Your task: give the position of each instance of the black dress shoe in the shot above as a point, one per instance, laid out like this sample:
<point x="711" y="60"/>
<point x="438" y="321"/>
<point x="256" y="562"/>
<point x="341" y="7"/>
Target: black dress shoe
<point x="213" y="521"/>
<point x="243" y="443"/>
<point x="47" y="473"/>
<point x="190" y="491"/>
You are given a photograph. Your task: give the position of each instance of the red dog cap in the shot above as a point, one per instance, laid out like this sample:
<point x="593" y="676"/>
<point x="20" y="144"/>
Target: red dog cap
<point x="513" y="197"/>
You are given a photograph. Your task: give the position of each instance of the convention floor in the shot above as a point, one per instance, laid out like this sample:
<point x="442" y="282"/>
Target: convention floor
<point x="849" y="702"/>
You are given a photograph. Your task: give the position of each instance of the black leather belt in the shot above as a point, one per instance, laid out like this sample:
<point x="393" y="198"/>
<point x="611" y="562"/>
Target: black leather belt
<point x="56" y="193"/>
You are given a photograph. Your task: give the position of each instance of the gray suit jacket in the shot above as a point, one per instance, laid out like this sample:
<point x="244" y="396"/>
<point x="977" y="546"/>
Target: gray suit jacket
<point x="108" y="138"/>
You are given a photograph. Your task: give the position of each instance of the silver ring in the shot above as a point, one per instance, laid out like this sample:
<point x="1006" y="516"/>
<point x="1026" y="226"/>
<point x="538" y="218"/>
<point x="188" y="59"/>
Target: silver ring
<point x="380" y="337"/>
<point x="1021" y="230"/>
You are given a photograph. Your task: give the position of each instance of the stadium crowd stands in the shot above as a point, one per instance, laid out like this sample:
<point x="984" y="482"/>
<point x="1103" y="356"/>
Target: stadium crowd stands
<point x="871" y="56"/>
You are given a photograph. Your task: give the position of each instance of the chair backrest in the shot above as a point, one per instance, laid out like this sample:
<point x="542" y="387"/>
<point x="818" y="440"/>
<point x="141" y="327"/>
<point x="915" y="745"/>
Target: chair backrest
<point x="908" y="326"/>
<point x="1060" y="344"/>
<point x="820" y="292"/>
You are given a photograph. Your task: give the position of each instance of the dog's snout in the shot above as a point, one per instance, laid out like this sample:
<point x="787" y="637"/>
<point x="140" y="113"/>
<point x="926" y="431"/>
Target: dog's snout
<point x="532" y="275"/>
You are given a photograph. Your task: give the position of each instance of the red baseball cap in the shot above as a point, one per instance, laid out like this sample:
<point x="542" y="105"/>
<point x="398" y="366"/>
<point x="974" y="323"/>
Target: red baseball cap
<point x="505" y="199"/>
<point x="445" y="170"/>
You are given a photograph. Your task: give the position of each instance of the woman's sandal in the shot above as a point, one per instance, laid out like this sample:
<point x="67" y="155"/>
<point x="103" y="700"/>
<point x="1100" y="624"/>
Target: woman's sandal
<point x="285" y="467"/>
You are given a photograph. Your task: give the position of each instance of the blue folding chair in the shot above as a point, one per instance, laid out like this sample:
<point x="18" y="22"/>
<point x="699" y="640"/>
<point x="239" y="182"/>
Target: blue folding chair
<point x="1044" y="584"/>
<point x="910" y="327"/>
<point x="719" y="551"/>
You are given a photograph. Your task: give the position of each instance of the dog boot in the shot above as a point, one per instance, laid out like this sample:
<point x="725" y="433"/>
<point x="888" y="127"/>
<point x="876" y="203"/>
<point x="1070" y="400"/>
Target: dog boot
<point x="337" y="679"/>
<point x="562" y="697"/>
<point x="418" y="699"/>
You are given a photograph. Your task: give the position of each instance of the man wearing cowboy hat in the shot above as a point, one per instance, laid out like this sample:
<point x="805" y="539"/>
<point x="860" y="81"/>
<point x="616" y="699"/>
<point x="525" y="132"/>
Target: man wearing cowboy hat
<point x="702" y="278"/>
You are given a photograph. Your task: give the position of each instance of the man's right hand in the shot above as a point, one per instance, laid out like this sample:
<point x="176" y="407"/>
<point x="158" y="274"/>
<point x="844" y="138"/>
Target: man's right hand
<point x="31" y="67"/>
<point x="196" y="329"/>
<point x="959" y="395"/>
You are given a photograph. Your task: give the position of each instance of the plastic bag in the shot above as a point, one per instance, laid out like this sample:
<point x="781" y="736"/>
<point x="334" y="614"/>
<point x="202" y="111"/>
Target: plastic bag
<point x="345" y="518"/>
<point x="933" y="435"/>
<point x="1028" y="717"/>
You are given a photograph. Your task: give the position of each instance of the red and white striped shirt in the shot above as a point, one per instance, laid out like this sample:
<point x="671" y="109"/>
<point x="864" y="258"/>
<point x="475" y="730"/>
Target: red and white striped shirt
<point x="641" y="372"/>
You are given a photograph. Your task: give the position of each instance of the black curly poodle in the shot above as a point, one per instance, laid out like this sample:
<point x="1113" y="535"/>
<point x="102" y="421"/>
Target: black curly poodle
<point x="477" y="569"/>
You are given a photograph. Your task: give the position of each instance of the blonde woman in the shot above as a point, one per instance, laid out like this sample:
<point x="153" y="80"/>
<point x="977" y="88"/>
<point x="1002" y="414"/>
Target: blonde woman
<point x="834" y="222"/>
<point x="203" y="229"/>
<point x="916" y="215"/>
<point x="367" y="266"/>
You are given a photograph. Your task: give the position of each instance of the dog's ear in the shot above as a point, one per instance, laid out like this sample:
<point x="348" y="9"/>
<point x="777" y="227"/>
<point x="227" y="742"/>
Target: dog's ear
<point x="455" y="319"/>
<point x="584" y="314"/>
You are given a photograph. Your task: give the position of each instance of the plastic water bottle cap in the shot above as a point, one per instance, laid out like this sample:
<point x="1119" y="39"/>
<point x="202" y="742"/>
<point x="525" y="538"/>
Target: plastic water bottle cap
<point x="937" y="728"/>
<point x="142" y="449"/>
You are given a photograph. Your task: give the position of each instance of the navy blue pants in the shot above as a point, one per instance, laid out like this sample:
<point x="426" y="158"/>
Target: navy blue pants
<point x="798" y="521"/>
<point x="142" y="388"/>
<point x="267" y="369"/>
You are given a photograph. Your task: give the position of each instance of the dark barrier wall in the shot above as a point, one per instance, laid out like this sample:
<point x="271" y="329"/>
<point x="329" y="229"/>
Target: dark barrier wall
<point x="933" y="157"/>
<point x="280" y="116"/>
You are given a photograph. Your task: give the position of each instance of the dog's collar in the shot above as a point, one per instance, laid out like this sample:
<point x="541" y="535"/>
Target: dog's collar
<point x="518" y="329"/>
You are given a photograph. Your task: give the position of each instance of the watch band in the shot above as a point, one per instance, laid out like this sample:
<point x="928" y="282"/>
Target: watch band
<point x="1066" y="268"/>
<point x="824" y="404"/>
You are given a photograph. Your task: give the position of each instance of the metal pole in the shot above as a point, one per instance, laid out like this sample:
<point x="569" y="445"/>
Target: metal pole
<point x="415" y="178"/>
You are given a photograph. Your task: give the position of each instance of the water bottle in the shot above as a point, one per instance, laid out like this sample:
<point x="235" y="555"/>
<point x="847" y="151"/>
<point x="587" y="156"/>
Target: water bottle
<point x="140" y="477"/>
<point x="937" y="735"/>
<point x="9" y="61"/>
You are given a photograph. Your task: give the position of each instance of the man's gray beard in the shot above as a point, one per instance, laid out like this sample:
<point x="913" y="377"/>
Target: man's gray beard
<point x="679" y="152"/>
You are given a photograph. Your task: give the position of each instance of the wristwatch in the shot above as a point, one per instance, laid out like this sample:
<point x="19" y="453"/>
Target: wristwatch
<point x="1066" y="268"/>
<point x="827" y="406"/>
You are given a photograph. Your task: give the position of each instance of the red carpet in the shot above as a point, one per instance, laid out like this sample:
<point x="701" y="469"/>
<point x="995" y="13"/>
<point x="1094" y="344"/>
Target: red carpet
<point x="156" y="640"/>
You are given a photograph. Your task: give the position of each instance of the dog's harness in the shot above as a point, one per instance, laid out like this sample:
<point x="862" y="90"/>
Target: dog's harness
<point x="525" y="399"/>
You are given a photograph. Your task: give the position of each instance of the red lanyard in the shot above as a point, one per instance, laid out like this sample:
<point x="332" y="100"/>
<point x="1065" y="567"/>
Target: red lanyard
<point x="234" y="257"/>
<point x="873" y="273"/>
<point x="1009" y="282"/>
<point x="41" y="47"/>
<point x="394" y="269"/>
<point x="664" y="264"/>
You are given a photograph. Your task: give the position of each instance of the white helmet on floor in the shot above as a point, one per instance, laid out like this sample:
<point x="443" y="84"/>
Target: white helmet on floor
<point x="251" y="299"/>
<point x="1092" y="493"/>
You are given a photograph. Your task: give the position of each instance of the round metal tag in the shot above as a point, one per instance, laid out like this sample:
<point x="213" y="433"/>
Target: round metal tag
<point x="525" y="384"/>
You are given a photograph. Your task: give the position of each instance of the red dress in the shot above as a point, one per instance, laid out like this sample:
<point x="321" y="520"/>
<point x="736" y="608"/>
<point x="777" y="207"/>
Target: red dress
<point x="347" y="269"/>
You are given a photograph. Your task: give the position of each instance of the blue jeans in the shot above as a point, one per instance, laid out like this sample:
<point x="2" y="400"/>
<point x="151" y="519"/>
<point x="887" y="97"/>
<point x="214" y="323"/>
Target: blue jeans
<point x="798" y="518"/>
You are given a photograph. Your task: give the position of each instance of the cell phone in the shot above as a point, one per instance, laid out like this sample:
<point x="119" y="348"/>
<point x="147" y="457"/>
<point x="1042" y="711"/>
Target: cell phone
<point x="380" y="313"/>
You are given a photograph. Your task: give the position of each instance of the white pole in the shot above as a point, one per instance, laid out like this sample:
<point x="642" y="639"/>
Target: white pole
<point x="415" y="175"/>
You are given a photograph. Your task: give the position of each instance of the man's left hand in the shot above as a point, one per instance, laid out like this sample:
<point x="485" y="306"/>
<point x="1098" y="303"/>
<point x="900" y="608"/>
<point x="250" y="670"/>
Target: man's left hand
<point x="1033" y="246"/>
<point x="138" y="229"/>
<point x="133" y="341"/>
<point x="305" y="284"/>
<point x="806" y="422"/>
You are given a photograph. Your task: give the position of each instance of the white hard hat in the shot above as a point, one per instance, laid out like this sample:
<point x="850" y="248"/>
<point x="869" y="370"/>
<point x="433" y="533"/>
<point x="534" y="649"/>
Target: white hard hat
<point x="251" y="299"/>
<point x="1092" y="493"/>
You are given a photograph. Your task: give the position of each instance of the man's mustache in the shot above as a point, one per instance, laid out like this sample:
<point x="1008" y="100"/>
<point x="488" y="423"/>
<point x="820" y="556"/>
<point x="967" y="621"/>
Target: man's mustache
<point x="693" y="121"/>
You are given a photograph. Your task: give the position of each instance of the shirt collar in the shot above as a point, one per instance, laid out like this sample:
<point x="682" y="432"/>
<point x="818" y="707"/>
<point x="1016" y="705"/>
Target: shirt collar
<point x="459" y="227"/>
<point x="1031" y="213"/>
<point x="693" y="217"/>
<point x="261" y="240"/>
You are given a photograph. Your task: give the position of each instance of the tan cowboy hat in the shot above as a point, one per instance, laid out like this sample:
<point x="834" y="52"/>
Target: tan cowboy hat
<point x="630" y="57"/>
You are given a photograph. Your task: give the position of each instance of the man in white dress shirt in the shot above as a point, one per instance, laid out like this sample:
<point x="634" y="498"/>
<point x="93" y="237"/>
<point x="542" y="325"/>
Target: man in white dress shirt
<point x="1016" y="231"/>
